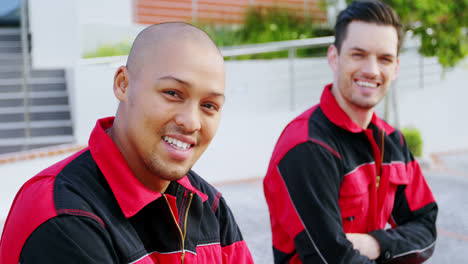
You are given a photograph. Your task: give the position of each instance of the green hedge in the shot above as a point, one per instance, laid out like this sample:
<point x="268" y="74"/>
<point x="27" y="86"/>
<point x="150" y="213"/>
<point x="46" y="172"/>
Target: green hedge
<point x="414" y="140"/>
<point x="264" y="25"/>
<point x="109" y="50"/>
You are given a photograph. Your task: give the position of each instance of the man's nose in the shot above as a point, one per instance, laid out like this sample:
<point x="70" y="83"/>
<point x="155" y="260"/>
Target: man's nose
<point x="189" y="117"/>
<point x="371" y="67"/>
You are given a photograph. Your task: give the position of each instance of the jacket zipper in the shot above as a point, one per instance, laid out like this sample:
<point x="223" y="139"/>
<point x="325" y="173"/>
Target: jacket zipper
<point x="379" y="168"/>
<point x="378" y="153"/>
<point x="182" y="235"/>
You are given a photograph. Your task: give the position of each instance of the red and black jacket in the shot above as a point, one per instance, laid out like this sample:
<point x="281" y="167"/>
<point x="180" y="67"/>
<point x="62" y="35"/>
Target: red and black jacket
<point x="322" y="183"/>
<point x="89" y="208"/>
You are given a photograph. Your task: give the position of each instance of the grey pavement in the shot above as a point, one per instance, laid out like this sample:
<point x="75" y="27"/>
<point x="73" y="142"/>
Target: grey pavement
<point x="448" y="184"/>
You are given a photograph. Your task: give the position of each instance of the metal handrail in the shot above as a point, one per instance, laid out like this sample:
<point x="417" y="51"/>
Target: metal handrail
<point x="276" y="46"/>
<point x="26" y="67"/>
<point x="103" y="60"/>
<point x="290" y="45"/>
<point x="240" y="49"/>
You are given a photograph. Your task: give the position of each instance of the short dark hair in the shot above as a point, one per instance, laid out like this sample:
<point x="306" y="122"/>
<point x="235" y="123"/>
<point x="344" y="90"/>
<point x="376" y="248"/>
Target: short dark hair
<point x="370" y="12"/>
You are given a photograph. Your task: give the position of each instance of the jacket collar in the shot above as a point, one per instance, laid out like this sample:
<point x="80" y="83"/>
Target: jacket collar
<point x="338" y="116"/>
<point x="131" y="195"/>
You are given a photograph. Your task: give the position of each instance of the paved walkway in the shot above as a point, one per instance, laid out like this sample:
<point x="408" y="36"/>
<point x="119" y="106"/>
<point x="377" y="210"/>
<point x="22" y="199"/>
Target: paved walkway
<point x="448" y="181"/>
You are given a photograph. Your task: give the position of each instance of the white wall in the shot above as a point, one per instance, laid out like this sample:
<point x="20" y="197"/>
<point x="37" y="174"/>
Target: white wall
<point x="94" y="36"/>
<point x="438" y="111"/>
<point x="91" y="96"/>
<point x="63" y="30"/>
<point x="54" y="30"/>
<point x="106" y="22"/>
<point x="114" y="12"/>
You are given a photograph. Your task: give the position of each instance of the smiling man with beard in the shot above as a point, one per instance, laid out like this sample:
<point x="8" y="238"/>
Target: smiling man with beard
<point x="131" y="197"/>
<point x="342" y="185"/>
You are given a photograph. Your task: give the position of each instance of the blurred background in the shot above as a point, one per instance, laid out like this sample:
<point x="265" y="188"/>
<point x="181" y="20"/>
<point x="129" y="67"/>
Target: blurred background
<point x="58" y="58"/>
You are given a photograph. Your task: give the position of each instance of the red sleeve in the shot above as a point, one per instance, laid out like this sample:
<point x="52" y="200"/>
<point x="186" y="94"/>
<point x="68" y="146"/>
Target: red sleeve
<point x="32" y="206"/>
<point x="237" y="253"/>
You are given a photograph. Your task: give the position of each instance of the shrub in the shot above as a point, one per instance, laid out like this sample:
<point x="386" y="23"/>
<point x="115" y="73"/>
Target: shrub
<point x="413" y="140"/>
<point x="109" y="50"/>
<point x="269" y="24"/>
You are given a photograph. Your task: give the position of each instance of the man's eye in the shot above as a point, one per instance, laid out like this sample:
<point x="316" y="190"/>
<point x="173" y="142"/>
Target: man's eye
<point x="171" y="93"/>
<point x="357" y="55"/>
<point x="387" y="60"/>
<point x="210" y="107"/>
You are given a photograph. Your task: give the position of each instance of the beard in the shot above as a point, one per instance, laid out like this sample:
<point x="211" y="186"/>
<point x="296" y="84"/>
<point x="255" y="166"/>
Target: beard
<point x="165" y="171"/>
<point x="363" y="103"/>
<point x="358" y="100"/>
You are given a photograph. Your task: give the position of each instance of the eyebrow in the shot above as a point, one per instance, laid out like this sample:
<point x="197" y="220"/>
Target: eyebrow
<point x="365" y="51"/>
<point x="170" y="77"/>
<point x="215" y="94"/>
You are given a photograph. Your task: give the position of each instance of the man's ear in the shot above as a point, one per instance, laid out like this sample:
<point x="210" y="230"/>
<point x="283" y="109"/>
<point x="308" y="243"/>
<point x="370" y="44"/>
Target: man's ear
<point x="121" y="81"/>
<point x="332" y="56"/>
<point x="397" y="68"/>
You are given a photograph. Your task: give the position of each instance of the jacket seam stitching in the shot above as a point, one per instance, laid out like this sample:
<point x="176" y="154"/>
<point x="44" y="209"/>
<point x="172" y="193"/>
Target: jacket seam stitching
<point x="81" y="213"/>
<point x="415" y="251"/>
<point x="305" y="228"/>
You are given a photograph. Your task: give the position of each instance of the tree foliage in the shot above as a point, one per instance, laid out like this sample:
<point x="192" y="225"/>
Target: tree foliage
<point x="442" y="27"/>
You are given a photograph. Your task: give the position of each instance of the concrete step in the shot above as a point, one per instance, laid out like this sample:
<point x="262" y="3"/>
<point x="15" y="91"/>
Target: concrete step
<point x="42" y="140"/>
<point x="33" y="87"/>
<point x="39" y="101"/>
<point x="10" y="50"/>
<point x="10" y="43"/>
<point x="18" y="148"/>
<point x="10" y="31"/>
<point x="10" y="34"/>
<point x="11" y="61"/>
<point x="36" y="124"/>
<point x="36" y="113"/>
<point x="17" y="73"/>
<point x="32" y="80"/>
<point x="35" y="116"/>
<point x="10" y="68"/>
<point x="33" y="95"/>
<point x="10" y="56"/>
<point x="35" y="109"/>
<point x="36" y="132"/>
<point x="10" y="47"/>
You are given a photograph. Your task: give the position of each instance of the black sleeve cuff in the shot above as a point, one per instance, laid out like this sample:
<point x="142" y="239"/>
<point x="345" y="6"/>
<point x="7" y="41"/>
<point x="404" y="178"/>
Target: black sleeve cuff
<point x="386" y="246"/>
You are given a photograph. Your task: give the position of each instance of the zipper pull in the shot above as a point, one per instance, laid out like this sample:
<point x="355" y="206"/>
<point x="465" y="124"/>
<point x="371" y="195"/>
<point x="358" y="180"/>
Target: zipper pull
<point x="185" y="227"/>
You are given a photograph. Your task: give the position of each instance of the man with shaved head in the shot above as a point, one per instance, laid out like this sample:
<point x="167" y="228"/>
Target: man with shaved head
<point x="131" y="196"/>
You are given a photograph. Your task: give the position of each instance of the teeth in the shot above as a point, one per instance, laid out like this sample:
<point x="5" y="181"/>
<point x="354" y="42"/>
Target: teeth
<point x="367" y="84"/>
<point x="176" y="143"/>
